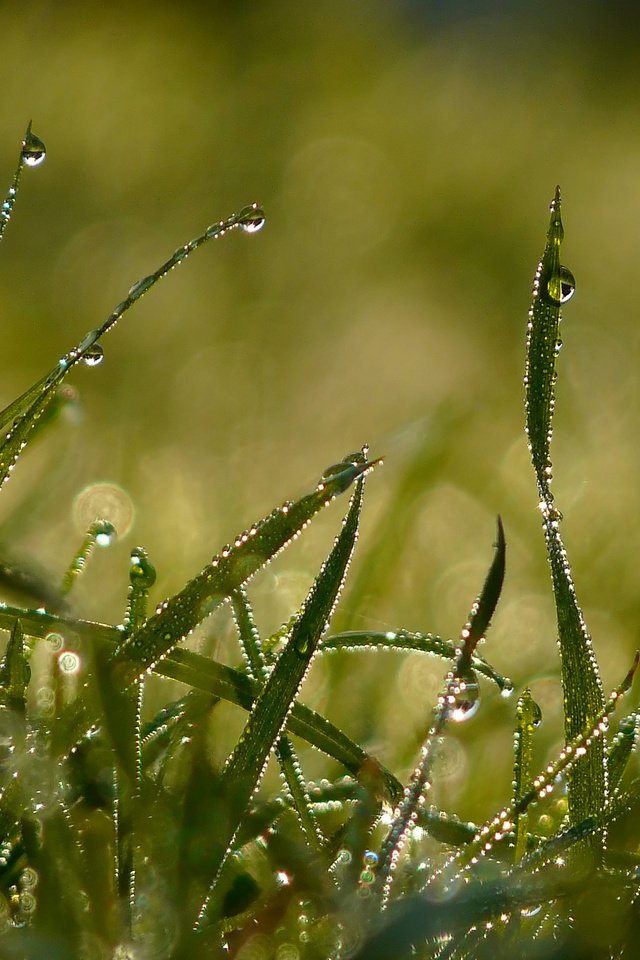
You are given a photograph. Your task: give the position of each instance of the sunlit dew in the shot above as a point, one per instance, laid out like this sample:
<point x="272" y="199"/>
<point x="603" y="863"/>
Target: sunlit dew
<point x="464" y="700"/>
<point x="106" y="500"/>
<point x="251" y="218"/>
<point x="69" y="662"/>
<point x="94" y="355"/>
<point x="104" y="532"/>
<point x="33" y="150"/>
<point x="561" y="286"/>
<point x="283" y="879"/>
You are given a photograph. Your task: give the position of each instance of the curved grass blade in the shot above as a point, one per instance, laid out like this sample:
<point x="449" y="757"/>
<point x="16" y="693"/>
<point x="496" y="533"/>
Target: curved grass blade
<point x="583" y="694"/>
<point x="267" y="719"/>
<point x="427" y="643"/>
<point x="25" y="412"/>
<point x="459" y="701"/>
<point x="230" y="569"/>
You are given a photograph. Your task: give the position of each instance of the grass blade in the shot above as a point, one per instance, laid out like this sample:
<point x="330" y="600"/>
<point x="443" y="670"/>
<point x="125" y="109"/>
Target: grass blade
<point x="427" y="643"/>
<point x="583" y="694"/>
<point x="233" y="567"/>
<point x="267" y="719"/>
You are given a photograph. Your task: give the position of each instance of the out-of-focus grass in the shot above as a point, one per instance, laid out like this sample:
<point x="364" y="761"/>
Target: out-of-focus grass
<point x="404" y="163"/>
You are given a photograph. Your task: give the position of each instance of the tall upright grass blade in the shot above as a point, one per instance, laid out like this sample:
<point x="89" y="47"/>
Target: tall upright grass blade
<point x="583" y="695"/>
<point x="267" y="719"/>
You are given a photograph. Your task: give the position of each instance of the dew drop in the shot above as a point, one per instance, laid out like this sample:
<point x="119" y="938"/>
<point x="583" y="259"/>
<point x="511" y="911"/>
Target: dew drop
<point x="33" y="150"/>
<point x="465" y="698"/>
<point x="530" y="911"/>
<point x="142" y="572"/>
<point x="536" y="718"/>
<point x="252" y="218"/>
<point x="104" y="532"/>
<point x="561" y="286"/>
<point x="507" y="688"/>
<point x="94" y="355"/>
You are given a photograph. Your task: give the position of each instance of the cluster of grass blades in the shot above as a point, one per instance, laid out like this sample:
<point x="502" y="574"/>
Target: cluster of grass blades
<point x="120" y="839"/>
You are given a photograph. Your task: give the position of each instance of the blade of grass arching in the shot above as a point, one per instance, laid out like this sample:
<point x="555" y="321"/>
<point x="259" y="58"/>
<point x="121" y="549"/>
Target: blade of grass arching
<point x="583" y="694"/>
<point x="528" y="717"/>
<point x="211" y="677"/>
<point x="25" y="412"/>
<point x="230" y="569"/>
<point x="427" y="643"/>
<point x="267" y="719"/>
<point x="459" y="701"/>
<point x="284" y="749"/>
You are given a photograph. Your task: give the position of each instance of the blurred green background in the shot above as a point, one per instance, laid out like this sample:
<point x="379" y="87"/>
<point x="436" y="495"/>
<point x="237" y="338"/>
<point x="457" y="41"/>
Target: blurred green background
<point x="405" y="154"/>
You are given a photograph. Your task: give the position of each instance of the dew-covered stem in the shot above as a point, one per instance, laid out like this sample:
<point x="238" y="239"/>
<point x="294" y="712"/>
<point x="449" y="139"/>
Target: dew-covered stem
<point x="32" y="153"/>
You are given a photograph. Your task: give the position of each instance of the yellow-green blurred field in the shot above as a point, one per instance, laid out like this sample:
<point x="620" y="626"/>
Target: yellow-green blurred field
<point x="405" y="155"/>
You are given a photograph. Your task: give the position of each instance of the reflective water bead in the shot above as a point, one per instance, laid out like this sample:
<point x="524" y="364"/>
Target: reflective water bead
<point x="94" y="355"/>
<point x="142" y="572"/>
<point x="370" y="858"/>
<point x="561" y="286"/>
<point x="465" y="699"/>
<point x="33" y="150"/>
<point x="252" y="218"/>
<point x="104" y="532"/>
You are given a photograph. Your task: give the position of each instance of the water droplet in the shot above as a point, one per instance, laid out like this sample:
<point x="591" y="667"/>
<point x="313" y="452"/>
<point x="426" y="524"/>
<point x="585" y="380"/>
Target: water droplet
<point x="561" y="286"/>
<point x="252" y="218"/>
<point x="370" y="858"/>
<point x="507" y="688"/>
<point x="536" y="717"/>
<point x="464" y="698"/>
<point x="33" y="150"/>
<point x="104" y="532"/>
<point x="94" y="355"/>
<point x="142" y="572"/>
<point x="530" y="911"/>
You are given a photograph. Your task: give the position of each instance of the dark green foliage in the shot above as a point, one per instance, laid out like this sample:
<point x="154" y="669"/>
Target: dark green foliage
<point x="123" y="836"/>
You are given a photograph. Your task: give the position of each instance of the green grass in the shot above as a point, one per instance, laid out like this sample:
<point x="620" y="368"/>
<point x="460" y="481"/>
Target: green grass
<point x="124" y="836"/>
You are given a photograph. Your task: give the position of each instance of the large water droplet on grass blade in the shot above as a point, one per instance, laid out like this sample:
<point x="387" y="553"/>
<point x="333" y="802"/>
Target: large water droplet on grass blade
<point x="561" y="286"/>
<point x="94" y="356"/>
<point x="33" y="149"/>
<point x="252" y="218"/>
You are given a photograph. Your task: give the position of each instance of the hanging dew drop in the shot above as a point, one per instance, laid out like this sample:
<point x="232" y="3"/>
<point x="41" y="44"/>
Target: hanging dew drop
<point x="252" y="218"/>
<point x="94" y="355"/>
<point x="561" y="286"/>
<point x="33" y="150"/>
<point x="464" y="700"/>
<point x="105" y="532"/>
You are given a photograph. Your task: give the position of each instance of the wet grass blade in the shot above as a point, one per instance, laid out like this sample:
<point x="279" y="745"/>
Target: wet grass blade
<point x="24" y="413"/>
<point x="232" y="568"/>
<point x="458" y="702"/>
<point x="542" y="785"/>
<point x="528" y="717"/>
<point x="583" y="695"/>
<point x="284" y="749"/>
<point x="427" y="643"/>
<point x="267" y="719"/>
<point x="216" y="679"/>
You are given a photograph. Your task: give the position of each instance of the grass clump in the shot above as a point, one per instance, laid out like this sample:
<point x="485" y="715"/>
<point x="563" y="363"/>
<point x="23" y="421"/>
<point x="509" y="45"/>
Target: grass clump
<point x="121" y="838"/>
